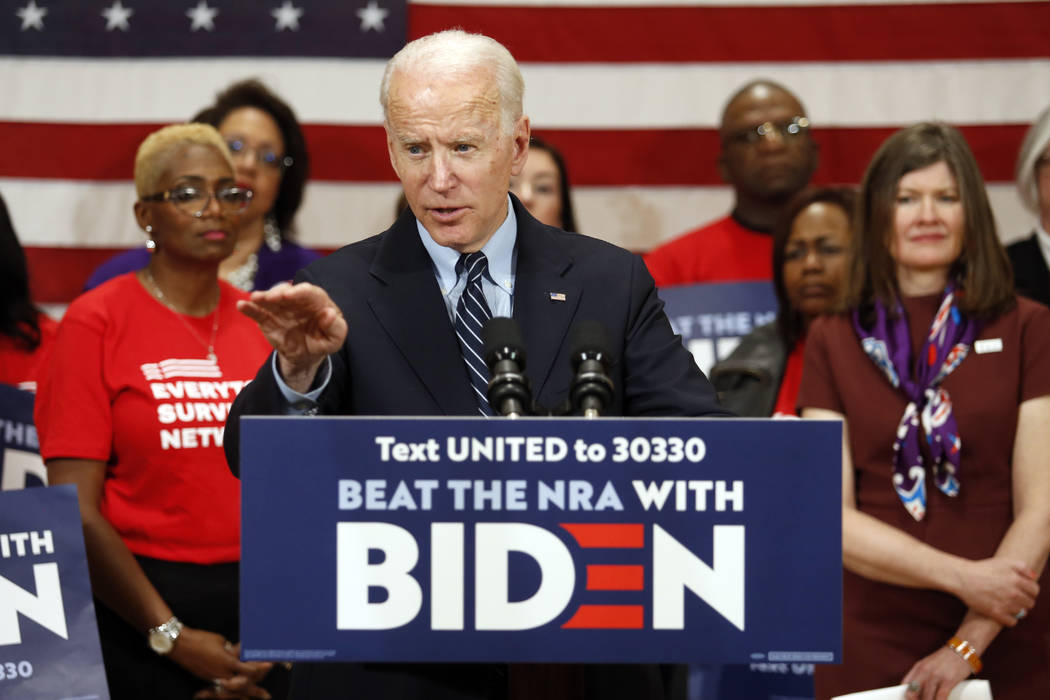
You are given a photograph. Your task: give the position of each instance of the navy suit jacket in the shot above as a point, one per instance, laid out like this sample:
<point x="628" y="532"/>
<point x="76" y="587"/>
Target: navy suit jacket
<point x="401" y="357"/>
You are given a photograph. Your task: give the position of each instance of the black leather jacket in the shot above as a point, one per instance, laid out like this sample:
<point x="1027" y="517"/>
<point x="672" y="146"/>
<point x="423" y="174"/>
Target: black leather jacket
<point x="748" y="381"/>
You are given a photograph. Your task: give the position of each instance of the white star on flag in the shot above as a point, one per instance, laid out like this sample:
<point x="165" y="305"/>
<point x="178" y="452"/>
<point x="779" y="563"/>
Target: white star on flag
<point x="202" y="17"/>
<point x="32" y="16"/>
<point x="287" y="16"/>
<point x="372" y="16"/>
<point x="117" y="17"/>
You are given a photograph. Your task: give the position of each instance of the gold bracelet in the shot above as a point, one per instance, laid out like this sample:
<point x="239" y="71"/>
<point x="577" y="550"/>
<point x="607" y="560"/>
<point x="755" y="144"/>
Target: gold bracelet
<point x="964" y="649"/>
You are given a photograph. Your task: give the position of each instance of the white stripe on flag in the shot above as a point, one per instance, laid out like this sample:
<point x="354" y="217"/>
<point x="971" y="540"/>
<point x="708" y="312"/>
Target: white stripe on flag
<point x="617" y="96"/>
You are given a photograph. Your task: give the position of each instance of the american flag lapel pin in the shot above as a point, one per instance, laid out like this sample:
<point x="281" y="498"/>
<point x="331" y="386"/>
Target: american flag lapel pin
<point x="557" y="296"/>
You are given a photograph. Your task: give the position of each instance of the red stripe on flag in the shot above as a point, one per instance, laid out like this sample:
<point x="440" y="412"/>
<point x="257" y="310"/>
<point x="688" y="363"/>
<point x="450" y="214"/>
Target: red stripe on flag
<point x="751" y="33"/>
<point x="57" y="275"/>
<point x="622" y="617"/>
<point x="597" y="157"/>
<point x="107" y="151"/>
<point x="620" y="536"/>
<point x="615" y="577"/>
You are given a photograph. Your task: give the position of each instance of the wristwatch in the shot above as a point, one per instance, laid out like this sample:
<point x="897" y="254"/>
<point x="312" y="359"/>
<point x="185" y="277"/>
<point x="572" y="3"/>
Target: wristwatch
<point x="162" y="637"/>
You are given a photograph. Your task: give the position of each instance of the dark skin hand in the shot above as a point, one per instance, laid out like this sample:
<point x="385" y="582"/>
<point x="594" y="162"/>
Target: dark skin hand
<point x="119" y="582"/>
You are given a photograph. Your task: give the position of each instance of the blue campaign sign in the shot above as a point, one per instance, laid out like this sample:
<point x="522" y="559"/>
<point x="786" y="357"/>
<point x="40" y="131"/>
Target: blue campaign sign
<point x="541" y="540"/>
<point x="712" y="318"/>
<point x="49" y="647"/>
<point x="20" y="463"/>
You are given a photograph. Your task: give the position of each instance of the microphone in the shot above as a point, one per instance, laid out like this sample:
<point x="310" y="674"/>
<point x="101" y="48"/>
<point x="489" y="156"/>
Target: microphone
<point x="591" y="390"/>
<point x="509" y="392"/>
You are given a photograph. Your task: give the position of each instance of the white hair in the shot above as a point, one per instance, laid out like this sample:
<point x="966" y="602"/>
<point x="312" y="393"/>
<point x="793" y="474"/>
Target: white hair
<point x="1034" y="145"/>
<point x="456" y="51"/>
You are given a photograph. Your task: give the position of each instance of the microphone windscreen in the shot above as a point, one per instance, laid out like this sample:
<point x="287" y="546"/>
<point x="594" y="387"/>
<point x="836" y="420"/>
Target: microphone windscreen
<point x="589" y="337"/>
<point x="501" y="335"/>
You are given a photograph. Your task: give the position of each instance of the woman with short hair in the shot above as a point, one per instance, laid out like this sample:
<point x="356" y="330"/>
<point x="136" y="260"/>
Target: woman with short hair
<point x="270" y="158"/>
<point x="132" y="411"/>
<point x="938" y="374"/>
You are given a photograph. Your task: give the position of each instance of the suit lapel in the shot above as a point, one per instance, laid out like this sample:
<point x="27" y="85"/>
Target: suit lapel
<point x="545" y="299"/>
<point x="407" y="303"/>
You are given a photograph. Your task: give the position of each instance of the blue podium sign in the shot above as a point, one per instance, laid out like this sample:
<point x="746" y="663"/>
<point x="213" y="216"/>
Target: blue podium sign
<point x="49" y="646"/>
<point x="713" y="317"/>
<point x="20" y="463"/>
<point x="541" y="540"/>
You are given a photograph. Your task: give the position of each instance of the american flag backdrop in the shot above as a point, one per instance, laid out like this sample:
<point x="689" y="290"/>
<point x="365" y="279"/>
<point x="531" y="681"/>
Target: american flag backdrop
<point x="630" y="91"/>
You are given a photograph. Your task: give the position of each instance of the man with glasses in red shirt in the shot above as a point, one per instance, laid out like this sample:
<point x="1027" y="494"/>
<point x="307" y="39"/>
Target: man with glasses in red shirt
<point x="767" y="156"/>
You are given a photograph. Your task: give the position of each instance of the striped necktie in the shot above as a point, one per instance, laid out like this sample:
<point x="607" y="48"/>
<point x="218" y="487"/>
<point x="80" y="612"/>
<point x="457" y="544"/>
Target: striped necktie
<point x="471" y="314"/>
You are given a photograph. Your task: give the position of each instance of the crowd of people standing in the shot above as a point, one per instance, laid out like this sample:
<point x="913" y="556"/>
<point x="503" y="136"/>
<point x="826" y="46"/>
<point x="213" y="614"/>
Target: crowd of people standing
<point x="899" y="316"/>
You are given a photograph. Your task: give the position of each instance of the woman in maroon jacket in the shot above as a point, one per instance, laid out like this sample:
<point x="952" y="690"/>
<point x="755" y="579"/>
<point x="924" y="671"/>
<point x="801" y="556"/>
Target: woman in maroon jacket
<point x="938" y="373"/>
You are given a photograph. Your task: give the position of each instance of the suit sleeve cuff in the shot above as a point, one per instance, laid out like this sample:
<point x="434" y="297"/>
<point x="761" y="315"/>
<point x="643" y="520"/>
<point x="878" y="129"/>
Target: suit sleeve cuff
<point x="303" y="404"/>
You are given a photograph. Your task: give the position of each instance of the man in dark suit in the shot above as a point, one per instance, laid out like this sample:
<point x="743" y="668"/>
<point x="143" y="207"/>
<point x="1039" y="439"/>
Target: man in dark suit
<point x="372" y="329"/>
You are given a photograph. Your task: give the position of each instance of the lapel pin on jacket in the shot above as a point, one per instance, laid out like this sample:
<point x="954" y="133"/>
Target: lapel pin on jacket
<point x="557" y="296"/>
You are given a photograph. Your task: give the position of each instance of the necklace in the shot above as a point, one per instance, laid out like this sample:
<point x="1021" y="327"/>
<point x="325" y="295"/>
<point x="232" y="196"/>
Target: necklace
<point x="243" y="277"/>
<point x="210" y="345"/>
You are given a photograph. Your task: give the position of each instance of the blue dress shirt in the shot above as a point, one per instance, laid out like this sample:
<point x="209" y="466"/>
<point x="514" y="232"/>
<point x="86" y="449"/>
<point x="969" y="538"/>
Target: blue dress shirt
<point x="497" y="285"/>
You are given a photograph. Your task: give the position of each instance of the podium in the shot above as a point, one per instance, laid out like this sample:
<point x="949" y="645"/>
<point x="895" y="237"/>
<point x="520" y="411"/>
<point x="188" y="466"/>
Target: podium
<point x="541" y="540"/>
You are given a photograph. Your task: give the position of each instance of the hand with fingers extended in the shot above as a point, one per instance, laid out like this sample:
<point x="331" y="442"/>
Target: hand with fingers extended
<point x="209" y="656"/>
<point x="303" y="325"/>
<point x="1000" y="588"/>
<point x="934" y="677"/>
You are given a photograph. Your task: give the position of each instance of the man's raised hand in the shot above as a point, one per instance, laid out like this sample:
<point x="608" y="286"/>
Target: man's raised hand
<point x="303" y="325"/>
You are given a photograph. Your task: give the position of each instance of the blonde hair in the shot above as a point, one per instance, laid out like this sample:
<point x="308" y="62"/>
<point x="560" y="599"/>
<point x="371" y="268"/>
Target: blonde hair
<point x="152" y="157"/>
<point x="982" y="269"/>
<point x="456" y="51"/>
<point x="1035" y="143"/>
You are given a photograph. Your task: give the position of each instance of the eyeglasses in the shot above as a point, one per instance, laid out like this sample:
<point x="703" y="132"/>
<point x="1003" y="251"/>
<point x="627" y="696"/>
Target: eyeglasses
<point x="195" y="200"/>
<point x="266" y="156"/>
<point x="787" y="131"/>
<point x="797" y="252"/>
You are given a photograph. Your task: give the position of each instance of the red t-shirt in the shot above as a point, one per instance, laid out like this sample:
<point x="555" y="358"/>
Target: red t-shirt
<point x="129" y="384"/>
<point x="21" y="368"/>
<point x="791" y="381"/>
<point x="721" y="251"/>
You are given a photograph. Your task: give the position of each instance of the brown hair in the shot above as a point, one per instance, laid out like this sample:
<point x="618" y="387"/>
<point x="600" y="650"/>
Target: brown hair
<point x="982" y="269"/>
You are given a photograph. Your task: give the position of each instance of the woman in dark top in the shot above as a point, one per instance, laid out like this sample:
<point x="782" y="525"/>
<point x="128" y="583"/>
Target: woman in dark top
<point x="1031" y="256"/>
<point x="938" y="374"/>
<point x="810" y="243"/>
<point x="270" y="155"/>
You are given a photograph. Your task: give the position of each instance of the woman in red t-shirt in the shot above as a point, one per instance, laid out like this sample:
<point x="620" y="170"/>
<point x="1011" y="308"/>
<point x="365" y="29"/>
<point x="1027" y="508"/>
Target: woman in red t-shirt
<point x="25" y="332"/>
<point x="810" y="244"/>
<point x="132" y="411"/>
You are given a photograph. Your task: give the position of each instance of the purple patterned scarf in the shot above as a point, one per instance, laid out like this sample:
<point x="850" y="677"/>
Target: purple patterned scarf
<point x="888" y="344"/>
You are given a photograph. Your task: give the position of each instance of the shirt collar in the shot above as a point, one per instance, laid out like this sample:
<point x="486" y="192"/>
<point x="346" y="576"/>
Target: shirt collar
<point x="499" y="251"/>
